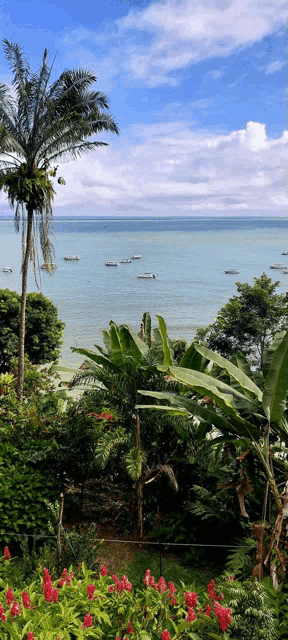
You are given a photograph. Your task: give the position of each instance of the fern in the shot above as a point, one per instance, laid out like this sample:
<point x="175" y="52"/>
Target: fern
<point x="239" y="560"/>
<point x="134" y="463"/>
<point x="106" y="443"/>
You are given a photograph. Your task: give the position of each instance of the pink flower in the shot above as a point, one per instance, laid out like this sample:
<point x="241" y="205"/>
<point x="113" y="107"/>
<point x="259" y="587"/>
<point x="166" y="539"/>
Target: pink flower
<point x="87" y="622"/>
<point x="224" y="616"/>
<point x="30" y="635"/>
<point x="146" y="578"/>
<point x="90" y="590"/>
<point x="191" y="615"/>
<point x="26" y="600"/>
<point x="9" y="596"/>
<point x="191" y="598"/>
<point x="114" y="577"/>
<point x="165" y="635"/>
<point x="161" y="587"/>
<point x="2" y="614"/>
<point x="6" y="553"/>
<point x="111" y="588"/>
<point x="103" y="570"/>
<point x="15" y="609"/>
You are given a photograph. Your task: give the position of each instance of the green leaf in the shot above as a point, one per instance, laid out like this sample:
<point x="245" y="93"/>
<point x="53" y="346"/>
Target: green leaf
<point x="167" y="351"/>
<point x="234" y="371"/>
<point x="144" y="635"/>
<point x="276" y="383"/>
<point x="192" y="359"/>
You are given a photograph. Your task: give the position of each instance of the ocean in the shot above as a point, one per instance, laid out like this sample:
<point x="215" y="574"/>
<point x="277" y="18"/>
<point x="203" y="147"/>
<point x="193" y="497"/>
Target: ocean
<point x="187" y="255"/>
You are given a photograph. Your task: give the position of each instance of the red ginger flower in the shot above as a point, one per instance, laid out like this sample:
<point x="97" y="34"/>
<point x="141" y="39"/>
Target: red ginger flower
<point x="111" y="588"/>
<point x="224" y="616"/>
<point x="165" y="635"/>
<point x="191" y="598"/>
<point x="146" y="578"/>
<point x="6" y="553"/>
<point x="15" y="609"/>
<point x="211" y="591"/>
<point x="114" y="577"/>
<point x="208" y="610"/>
<point x="55" y="595"/>
<point x="103" y="570"/>
<point x="161" y="586"/>
<point x="30" y="635"/>
<point x="90" y="590"/>
<point x="26" y="600"/>
<point x="191" y="615"/>
<point x="2" y="614"/>
<point x="9" y="596"/>
<point x="87" y="622"/>
<point x="129" y="628"/>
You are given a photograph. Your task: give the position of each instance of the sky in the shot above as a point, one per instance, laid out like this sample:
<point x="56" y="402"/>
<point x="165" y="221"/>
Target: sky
<point x="198" y="89"/>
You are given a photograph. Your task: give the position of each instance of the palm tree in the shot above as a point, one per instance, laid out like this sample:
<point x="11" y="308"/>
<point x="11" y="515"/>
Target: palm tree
<point x="123" y="366"/>
<point x="249" y="411"/>
<point x="45" y="122"/>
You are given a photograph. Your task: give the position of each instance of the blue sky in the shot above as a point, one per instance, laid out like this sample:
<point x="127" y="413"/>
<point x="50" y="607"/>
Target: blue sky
<point x="199" y="91"/>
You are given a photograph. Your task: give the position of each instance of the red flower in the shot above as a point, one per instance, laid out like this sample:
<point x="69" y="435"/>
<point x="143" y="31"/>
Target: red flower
<point x="224" y="616"/>
<point x="88" y="621"/>
<point x="208" y="610"/>
<point x="191" y="598"/>
<point x="103" y="570"/>
<point x="129" y="628"/>
<point x="55" y="595"/>
<point x="111" y="588"/>
<point x="9" y="596"/>
<point x="26" y="600"/>
<point x="212" y="592"/>
<point x="15" y="609"/>
<point x="90" y="590"/>
<point x="165" y="635"/>
<point x="191" y="615"/>
<point x="2" y="614"/>
<point x="161" y="587"/>
<point x="146" y="578"/>
<point x="114" y="577"/>
<point x="30" y="635"/>
<point x="6" y="553"/>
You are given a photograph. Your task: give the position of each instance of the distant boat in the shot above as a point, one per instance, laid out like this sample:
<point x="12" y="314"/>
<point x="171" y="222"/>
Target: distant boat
<point x="136" y="256"/>
<point x="111" y="263"/>
<point x="284" y="253"/>
<point x="232" y="271"/>
<point x="284" y="270"/>
<point x="125" y="261"/>
<point x="71" y="257"/>
<point x="146" y="275"/>
<point x="7" y="269"/>
<point x="278" y="265"/>
<point x="48" y="266"/>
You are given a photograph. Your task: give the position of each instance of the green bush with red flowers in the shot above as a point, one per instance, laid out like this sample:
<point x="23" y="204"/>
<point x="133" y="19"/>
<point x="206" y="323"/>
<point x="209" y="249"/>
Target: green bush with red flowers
<point x="88" y="605"/>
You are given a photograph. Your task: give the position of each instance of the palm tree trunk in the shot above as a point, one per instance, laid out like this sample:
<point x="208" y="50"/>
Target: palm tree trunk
<point x="139" y="485"/>
<point x="21" y="343"/>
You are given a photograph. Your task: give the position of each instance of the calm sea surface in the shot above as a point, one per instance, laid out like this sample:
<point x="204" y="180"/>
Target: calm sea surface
<point x="188" y="257"/>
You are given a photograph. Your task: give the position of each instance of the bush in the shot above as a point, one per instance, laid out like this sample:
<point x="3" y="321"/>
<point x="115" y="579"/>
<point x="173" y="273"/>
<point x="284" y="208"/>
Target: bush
<point x="43" y="331"/>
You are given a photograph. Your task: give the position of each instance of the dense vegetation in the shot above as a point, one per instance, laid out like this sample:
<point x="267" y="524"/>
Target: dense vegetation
<point x="168" y="443"/>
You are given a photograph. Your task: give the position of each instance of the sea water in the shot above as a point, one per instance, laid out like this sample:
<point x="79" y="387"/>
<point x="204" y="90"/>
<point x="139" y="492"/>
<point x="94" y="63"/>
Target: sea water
<point x="187" y="255"/>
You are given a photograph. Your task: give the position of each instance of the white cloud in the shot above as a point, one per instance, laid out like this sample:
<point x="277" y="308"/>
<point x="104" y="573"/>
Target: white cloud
<point x="275" y="65"/>
<point x="167" y="168"/>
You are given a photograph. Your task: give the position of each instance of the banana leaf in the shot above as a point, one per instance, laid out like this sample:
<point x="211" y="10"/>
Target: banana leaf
<point x="234" y="371"/>
<point x="192" y="359"/>
<point x="146" y="320"/>
<point x="131" y="344"/>
<point x="95" y="357"/>
<point x="167" y="351"/>
<point x="276" y="383"/>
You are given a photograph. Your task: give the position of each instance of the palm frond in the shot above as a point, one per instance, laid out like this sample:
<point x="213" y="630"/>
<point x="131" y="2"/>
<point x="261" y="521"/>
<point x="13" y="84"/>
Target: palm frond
<point x="107" y="443"/>
<point x="134" y="462"/>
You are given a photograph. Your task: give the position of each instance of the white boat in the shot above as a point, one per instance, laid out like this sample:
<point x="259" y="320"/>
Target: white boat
<point x="284" y="253"/>
<point x="71" y="257"/>
<point x="146" y="275"/>
<point x="136" y="256"/>
<point x="284" y="270"/>
<point x="111" y="263"/>
<point x="278" y="265"/>
<point x="48" y="266"/>
<point x="232" y="271"/>
<point x="125" y="261"/>
<point x="7" y="269"/>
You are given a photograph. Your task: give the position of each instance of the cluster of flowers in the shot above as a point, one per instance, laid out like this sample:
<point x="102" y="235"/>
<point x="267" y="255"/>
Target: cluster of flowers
<point x="100" y="416"/>
<point x="6" y="553"/>
<point x="50" y="593"/>
<point x="14" y="607"/>
<point x="120" y="585"/>
<point x="160" y="586"/>
<point x="66" y="578"/>
<point x="223" y="614"/>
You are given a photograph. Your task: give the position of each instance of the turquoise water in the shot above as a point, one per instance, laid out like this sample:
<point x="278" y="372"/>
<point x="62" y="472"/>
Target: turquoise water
<point x="188" y="257"/>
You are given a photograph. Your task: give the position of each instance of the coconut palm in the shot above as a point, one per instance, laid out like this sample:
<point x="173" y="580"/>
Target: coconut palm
<point x="249" y="411"/>
<point x="41" y="123"/>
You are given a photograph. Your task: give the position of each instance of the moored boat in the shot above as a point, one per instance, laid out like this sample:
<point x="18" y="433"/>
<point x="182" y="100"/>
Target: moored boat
<point x="136" y="256"/>
<point x="7" y="269"/>
<point x="146" y="275"/>
<point x="278" y="265"/>
<point x="111" y="263"/>
<point x="232" y="271"/>
<point x="125" y="261"/>
<point x="284" y="253"/>
<point x="71" y="257"/>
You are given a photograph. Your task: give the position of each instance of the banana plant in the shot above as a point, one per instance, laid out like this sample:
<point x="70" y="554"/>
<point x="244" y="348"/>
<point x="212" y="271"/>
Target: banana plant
<point x="243" y="412"/>
<point x="119" y="367"/>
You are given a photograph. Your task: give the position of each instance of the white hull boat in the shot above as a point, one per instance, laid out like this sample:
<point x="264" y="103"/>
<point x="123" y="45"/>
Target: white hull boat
<point x="71" y="257"/>
<point x="284" y="253"/>
<point x="232" y="271"/>
<point x="146" y="275"/>
<point x="136" y="256"/>
<point x="7" y="269"/>
<point x="111" y="263"/>
<point x="278" y="265"/>
<point x="126" y="261"/>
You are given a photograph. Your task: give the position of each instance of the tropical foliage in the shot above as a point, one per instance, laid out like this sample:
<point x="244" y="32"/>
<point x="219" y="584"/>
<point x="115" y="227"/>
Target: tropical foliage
<point x="43" y="122"/>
